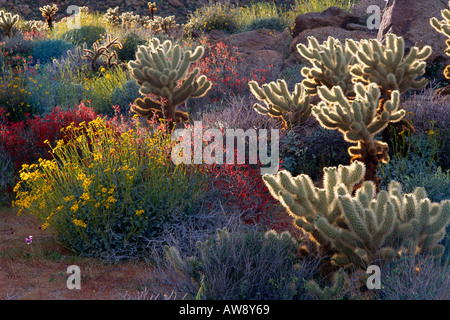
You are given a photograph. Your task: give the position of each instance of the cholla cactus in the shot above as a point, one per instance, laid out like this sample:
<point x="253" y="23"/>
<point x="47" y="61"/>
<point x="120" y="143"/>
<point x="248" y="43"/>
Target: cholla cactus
<point x="331" y="65"/>
<point x="112" y="16"/>
<point x="360" y="120"/>
<point x="34" y="26"/>
<point x="7" y="22"/>
<point x="152" y="8"/>
<point x="387" y="66"/>
<point x="102" y="51"/>
<point x="162" y="24"/>
<point x="48" y="12"/>
<point x="292" y="108"/>
<point x="338" y="290"/>
<point x="362" y="227"/>
<point x="443" y="27"/>
<point x="158" y="69"/>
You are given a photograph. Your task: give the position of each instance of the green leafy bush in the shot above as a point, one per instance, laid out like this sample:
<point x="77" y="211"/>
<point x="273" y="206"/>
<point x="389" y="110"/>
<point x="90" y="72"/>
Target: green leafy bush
<point x="125" y="94"/>
<point x="274" y="23"/>
<point x="213" y="16"/>
<point x="130" y="43"/>
<point x="105" y="193"/>
<point x="47" y="50"/>
<point x="88" y="34"/>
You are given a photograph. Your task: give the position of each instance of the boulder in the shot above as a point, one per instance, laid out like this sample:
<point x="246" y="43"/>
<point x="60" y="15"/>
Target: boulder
<point x="332" y="16"/>
<point x="322" y="34"/>
<point x="411" y="20"/>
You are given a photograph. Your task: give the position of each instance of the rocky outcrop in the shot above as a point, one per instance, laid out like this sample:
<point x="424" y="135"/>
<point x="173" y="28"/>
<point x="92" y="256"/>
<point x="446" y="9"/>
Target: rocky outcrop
<point x="331" y="17"/>
<point x="411" y="20"/>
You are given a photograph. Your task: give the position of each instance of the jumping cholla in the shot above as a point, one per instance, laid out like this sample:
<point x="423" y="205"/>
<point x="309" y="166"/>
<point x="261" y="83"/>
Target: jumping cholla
<point x="360" y="120"/>
<point x="162" y="69"/>
<point x="387" y="66"/>
<point x="331" y="65"/>
<point x="7" y="22"/>
<point x="293" y="108"/>
<point x="362" y="227"/>
<point x="48" y="12"/>
<point x="443" y="27"/>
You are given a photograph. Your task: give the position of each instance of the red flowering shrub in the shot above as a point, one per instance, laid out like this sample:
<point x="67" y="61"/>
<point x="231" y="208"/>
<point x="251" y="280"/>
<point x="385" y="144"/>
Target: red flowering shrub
<point x="25" y="140"/>
<point x="219" y="65"/>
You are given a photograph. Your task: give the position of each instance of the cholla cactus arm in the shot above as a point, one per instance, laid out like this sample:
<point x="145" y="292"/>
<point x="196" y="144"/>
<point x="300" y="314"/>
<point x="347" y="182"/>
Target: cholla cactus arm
<point x="162" y="69"/>
<point x="360" y="120"/>
<point x="48" y="12"/>
<point x="363" y="226"/>
<point x="387" y="66"/>
<point x="102" y="51"/>
<point x="7" y="22"/>
<point x="279" y="103"/>
<point x="443" y="27"/>
<point x="331" y="62"/>
<point x="338" y="289"/>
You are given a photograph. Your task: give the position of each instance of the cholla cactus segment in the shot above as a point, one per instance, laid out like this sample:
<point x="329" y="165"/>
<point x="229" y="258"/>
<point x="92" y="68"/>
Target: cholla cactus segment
<point x="337" y="291"/>
<point x="34" y="26"/>
<point x="331" y="62"/>
<point x="443" y="26"/>
<point x="361" y="227"/>
<point x="7" y="22"/>
<point x="387" y="66"/>
<point x="279" y="103"/>
<point x="162" y="69"/>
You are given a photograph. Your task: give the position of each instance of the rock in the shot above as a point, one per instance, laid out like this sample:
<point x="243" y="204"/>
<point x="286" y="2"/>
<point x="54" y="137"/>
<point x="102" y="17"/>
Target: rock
<point x="332" y="16"/>
<point x="176" y="3"/>
<point x="262" y="59"/>
<point x="262" y="39"/>
<point x="411" y="20"/>
<point x="322" y="34"/>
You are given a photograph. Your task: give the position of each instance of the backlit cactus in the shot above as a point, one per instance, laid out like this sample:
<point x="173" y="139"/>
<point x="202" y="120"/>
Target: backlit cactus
<point x="162" y="70"/>
<point x="363" y="227"/>
<point x="7" y="22"/>
<point x="48" y="12"/>
<point x="443" y="27"/>
<point x="387" y="66"/>
<point x="360" y="120"/>
<point x="331" y="61"/>
<point x="293" y="108"/>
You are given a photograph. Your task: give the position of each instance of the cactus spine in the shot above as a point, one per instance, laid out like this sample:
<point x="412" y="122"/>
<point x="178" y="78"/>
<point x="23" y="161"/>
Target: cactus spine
<point x="443" y="27"/>
<point x="363" y="227"/>
<point x="162" y="69"/>
<point x="48" y="12"/>
<point x="7" y="22"/>
<point x="291" y="108"/>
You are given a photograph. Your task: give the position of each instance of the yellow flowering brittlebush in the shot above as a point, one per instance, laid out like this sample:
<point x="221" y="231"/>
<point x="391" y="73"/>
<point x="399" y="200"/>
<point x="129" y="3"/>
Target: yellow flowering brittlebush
<point x="105" y="192"/>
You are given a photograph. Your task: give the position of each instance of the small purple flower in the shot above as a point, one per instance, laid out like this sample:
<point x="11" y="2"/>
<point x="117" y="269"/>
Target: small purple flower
<point x="29" y="239"/>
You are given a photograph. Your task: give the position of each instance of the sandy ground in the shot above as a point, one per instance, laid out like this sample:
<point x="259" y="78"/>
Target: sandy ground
<point x="38" y="271"/>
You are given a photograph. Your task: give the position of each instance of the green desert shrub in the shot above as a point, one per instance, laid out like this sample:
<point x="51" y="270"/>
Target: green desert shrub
<point x="243" y="265"/>
<point x="125" y="94"/>
<point x="274" y="23"/>
<point x="213" y="16"/>
<point x="47" y="50"/>
<point x="107" y="193"/>
<point x="88" y="34"/>
<point x="130" y="42"/>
